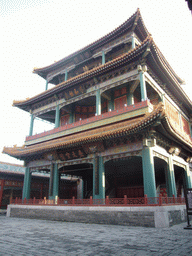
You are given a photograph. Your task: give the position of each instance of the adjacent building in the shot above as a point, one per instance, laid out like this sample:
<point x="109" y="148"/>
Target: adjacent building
<point x="122" y="120"/>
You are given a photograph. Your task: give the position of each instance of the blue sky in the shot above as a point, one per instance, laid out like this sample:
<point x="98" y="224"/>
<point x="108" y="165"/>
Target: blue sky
<point x="35" y="33"/>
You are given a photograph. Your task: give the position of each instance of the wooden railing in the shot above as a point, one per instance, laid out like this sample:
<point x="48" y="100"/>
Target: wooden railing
<point x="109" y="114"/>
<point x="140" y="201"/>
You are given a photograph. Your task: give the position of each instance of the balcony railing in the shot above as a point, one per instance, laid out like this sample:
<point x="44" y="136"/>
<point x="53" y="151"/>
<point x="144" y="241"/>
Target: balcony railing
<point x="91" y="120"/>
<point x="140" y="201"/>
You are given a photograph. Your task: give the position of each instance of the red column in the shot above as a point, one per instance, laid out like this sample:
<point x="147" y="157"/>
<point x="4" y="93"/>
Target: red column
<point x="1" y="191"/>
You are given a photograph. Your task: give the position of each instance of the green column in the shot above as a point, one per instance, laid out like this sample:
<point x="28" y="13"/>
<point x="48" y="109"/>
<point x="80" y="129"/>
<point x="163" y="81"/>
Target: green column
<point x="51" y="182"/>
<point x="72" y="115"/>
<point x="148" y="172"/>
<point x="143" y="86"/>
<point x="57" y="117"/>
<point x="46" y="86"/>
<point x="171" y="178"/>
<point x="66" y="75"/>
<point x="98" y="178"/>
<point x="133" y="42"/>
<point x="82" y="188"/>
<point x="190" y="127"/>
<point x="55" y="181"/>
<point x="103" y="57"/>
<point x="27" y="184"/>
<point x="130" y="98"/>
<point x="98" y="102"/>
<point x="188" y="177"/>
<point x="31" y="125"/>
<point x="111" y="102"/>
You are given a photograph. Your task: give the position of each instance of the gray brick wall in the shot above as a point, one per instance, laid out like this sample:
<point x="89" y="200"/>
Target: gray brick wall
<point x="144" y="219"/>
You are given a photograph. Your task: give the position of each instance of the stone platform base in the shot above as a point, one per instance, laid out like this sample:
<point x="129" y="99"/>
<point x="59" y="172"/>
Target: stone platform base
<point x="151" y="216"/>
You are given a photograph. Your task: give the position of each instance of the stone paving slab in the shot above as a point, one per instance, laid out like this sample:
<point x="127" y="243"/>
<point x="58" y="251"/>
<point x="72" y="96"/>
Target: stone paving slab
<point x="42" y="237"/>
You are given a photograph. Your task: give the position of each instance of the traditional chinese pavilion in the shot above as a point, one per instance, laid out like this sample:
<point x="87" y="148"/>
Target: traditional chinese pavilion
<point x="122" y="120"/>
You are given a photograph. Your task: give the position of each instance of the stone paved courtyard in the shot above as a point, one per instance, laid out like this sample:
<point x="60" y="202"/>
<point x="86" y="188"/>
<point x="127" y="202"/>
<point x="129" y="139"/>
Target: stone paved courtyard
<point x="42" y="237"/>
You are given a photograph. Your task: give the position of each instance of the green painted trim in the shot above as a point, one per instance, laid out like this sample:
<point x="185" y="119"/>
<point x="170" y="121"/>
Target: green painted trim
<point x="143" y="86"/>
<point x="31" y="125"/>
<point x="148" y="172"/>
<point x="57" y="117"/>
<point x="171" y="178"/>
<point x="27" y="184"/>
<point x="55" y="181"/>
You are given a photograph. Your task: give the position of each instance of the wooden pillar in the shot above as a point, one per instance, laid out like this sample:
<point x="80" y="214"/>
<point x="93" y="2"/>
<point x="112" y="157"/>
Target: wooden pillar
<point x="2" y="184"/>
<point x="46" y="86"/>
<point x="148" y="172"/>
<point x="98" y="178"/>
<point x="27" y="184"/>
<point x="103" y="57"/>
<point x="171" y="178"/>
<point x="51" y="182"/>
<point x="188" y="177"/>
<point x="133" y="41"/>
<point x="142" y="70"/>
<point x="55" y="181"/>
<point x="130" y="99"/>
<point x="31" y="125"/>
<point x="111" y="102"/>
<point x="66" y="75"/>
<point x="98" y="102"/>
<point x="57" y="117"/>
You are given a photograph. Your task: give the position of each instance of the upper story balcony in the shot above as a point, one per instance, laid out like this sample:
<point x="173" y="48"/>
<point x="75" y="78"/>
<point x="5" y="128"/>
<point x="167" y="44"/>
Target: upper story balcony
<point x="127" y="112"/>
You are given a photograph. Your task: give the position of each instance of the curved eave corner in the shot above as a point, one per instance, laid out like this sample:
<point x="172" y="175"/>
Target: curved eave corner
<point x="180" y="136"/>
<point x="110" y="36"/>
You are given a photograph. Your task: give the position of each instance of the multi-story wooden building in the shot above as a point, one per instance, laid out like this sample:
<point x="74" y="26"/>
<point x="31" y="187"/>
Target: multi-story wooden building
<point x="122" y="120"/>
